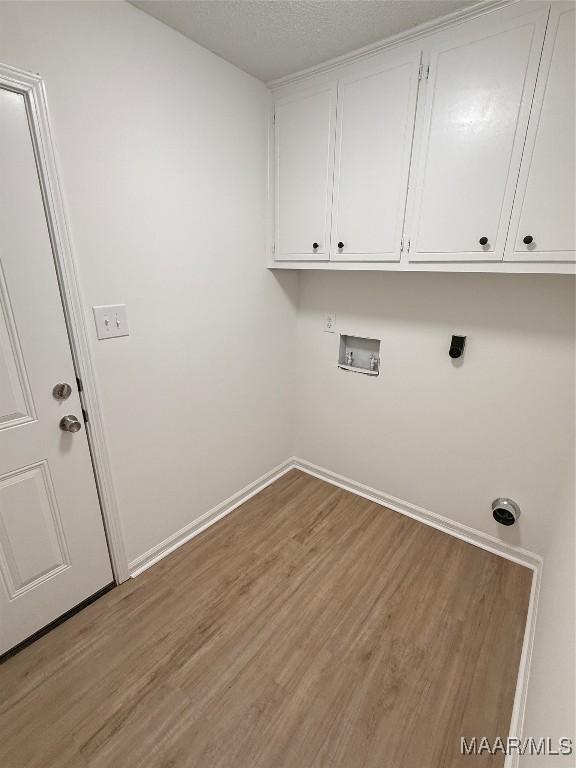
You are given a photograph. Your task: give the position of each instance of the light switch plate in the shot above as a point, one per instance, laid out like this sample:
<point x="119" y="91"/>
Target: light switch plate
<point x="111" y="321"/>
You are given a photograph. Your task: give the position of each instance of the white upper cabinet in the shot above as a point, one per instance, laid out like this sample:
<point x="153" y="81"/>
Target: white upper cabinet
<point x="471" y="129"/>
<point x="542" y="226"/>
<point x="304" y="160"/>
<point x="453" y="150"/>
<point x="376" y="111"/>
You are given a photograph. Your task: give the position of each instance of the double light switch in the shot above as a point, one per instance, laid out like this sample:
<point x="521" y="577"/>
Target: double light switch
<point x="111" y="321"/>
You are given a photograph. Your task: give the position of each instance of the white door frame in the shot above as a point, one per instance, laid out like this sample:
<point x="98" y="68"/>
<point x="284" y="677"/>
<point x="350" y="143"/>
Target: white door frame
<point x="31" y="86"/>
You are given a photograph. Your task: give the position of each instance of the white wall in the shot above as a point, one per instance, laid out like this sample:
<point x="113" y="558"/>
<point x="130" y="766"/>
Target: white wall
<point x="448" y="436"/>
<point x="551" y="690"/>
<point x="162" y="156"/>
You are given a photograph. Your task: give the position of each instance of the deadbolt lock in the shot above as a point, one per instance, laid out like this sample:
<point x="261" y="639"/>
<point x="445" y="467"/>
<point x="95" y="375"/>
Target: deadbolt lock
<point x="62" y="391"/>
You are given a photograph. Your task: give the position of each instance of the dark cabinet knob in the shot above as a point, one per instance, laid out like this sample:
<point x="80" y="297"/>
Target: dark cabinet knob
<point x="340" y="244"/>
<point x="483" y="241"/>
<point x="314" y="245"/>
<point x="528" y="239"/>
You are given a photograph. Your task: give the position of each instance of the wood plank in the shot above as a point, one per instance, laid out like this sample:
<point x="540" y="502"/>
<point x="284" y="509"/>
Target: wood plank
<point x="309" y="628"/>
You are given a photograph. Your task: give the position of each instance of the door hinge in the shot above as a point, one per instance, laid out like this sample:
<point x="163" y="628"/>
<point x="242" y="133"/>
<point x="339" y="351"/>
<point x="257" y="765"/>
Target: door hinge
<point x="79" y="384"/>
<point x="85" y="415"/>
<point x="427" y="71"/>
<point x="420" y="71"/>
<point x="408" y="246"/>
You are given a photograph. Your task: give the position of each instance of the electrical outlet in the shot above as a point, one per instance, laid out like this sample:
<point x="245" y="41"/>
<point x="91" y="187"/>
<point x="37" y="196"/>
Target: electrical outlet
<point x="330" y="322"/>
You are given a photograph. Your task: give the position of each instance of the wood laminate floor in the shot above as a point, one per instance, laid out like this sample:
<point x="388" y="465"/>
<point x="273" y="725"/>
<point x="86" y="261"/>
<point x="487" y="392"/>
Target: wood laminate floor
<point x="309" y="629"/>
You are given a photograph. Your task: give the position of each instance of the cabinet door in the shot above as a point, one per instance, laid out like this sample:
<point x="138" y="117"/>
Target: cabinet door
<point x="304" y="163"/>
<point x="374" y="132"/>
<point x="475" y="111"/>
<point x="545" y="203"/>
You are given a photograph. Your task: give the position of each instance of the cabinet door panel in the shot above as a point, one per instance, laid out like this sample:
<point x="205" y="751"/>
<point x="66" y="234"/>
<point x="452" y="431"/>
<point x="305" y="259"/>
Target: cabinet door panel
<point x="545" y="202"/>
<point x="304" y="162"/>
<point x="375" y="125"/>
<point x="473" y="124"/>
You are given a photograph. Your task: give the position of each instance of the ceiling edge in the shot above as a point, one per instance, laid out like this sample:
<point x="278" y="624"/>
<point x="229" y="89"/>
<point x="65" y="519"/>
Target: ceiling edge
<point x="478" y="9"/>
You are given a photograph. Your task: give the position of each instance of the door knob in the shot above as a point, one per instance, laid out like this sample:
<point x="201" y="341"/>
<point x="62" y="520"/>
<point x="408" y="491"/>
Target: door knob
<point x="62" y="391"/>
<point x="483" y="240"/>
<point x="340" y="245"/>
<point x="70" y="423"/>
<point x="314" y="245"/>
<point x="527" y="240"/>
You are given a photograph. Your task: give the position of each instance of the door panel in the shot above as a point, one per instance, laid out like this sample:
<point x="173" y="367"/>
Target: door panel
<point x="545" y="200"/>
<point x="304" y="161"/>
<point x="53" y="550"/>
<point x="16" y="406"/>
<point x="32" y="544"/>
<point x="472" y="128"/>
<point x="376" y="113"/>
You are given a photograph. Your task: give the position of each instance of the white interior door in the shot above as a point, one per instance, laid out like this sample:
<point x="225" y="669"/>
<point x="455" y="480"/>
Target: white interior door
<point x="473" y="123"/>
<point x="542" y="226"/>
<point x="53" y="550"/>
<point x="376" y="111"/>
<point x="304" y="162"/>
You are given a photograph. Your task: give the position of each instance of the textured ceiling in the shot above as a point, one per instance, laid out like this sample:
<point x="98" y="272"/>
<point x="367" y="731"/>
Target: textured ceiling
<point x="273" y="38"/>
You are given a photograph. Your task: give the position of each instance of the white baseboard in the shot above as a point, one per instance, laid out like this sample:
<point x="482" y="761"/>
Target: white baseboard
<point x="461" y="531"/>
<point x="156" y="553"/>
<point x="521" y="694"/>
<point x="451" y="527"/>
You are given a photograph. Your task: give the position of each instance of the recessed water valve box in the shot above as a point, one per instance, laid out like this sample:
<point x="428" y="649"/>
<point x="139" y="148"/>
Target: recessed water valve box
<point x="359" y="354"/>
